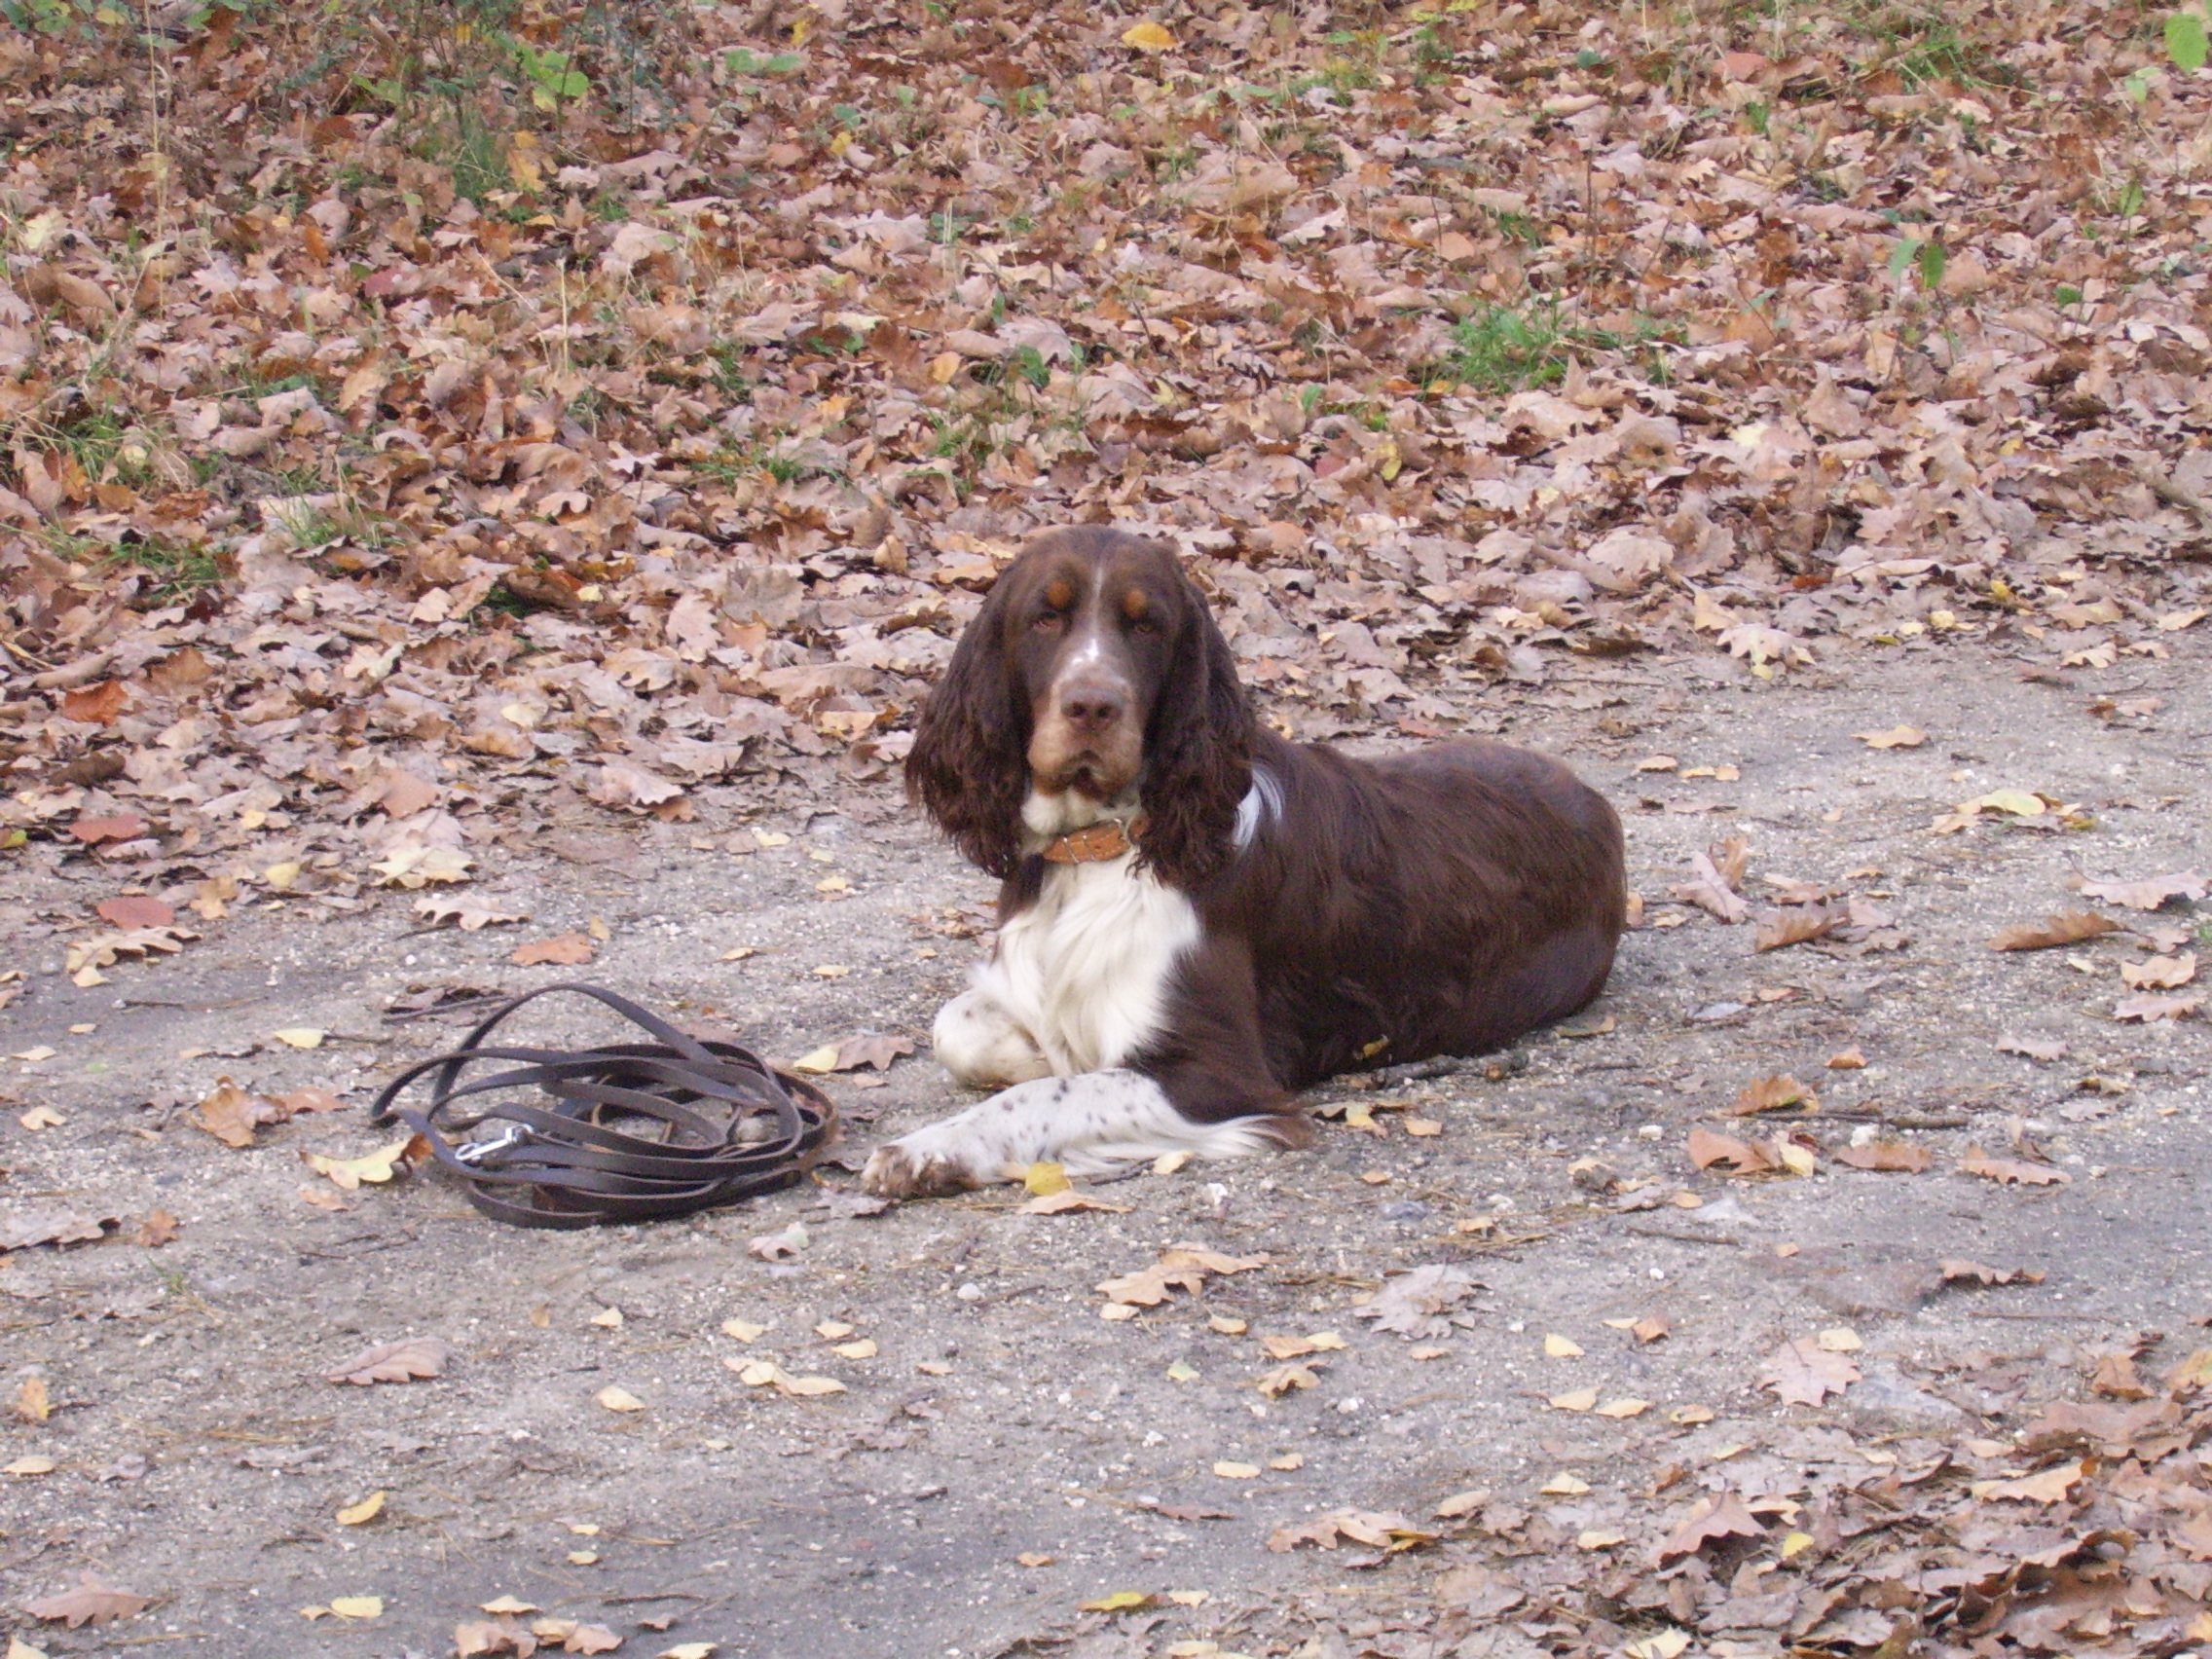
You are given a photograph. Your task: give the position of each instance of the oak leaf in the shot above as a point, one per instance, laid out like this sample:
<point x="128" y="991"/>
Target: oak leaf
<point x="1802" y="1372"/>
<point x="2149" y="893"/>
<point x="90" y="1603"/>
<point x="402" y="1361"/>
<point x="1901" y="1157"/>
<point x="2006" y="1171"/>
<point x="2065" y="927"/>
<point x="1713" y="1520"/>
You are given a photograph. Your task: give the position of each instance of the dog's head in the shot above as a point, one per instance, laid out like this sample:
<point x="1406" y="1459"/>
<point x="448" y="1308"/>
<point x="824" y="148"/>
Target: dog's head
<point x="1093" y="677"/>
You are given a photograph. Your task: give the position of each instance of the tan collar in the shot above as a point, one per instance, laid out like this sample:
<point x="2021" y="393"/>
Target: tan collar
<point x="1095" y="843"/>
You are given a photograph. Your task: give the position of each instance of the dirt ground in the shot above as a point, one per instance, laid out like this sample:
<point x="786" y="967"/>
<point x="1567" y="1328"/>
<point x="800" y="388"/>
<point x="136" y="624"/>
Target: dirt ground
<point x="200" y="1458"/>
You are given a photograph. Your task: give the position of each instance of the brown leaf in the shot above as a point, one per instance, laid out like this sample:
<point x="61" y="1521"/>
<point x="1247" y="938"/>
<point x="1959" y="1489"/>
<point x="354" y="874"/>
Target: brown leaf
<point x="2160" y="972"/>
<point x="1974" y="1272"/>
<point x="2004" y="1170"/>
<point x="231" y="1115"/>
<point x="158" y="1229"/>
<point x="1714" y="1519"/>
<point x="1772" y="1094"/>
<point x="874" y="1049"/>
<point x="2033" y="1048"/>
<point x="1796" y="925"/>
<point x="1900" y="1156"/>
<point x="136" y="911"/>
<point x="1387" y="1532"/>
<point x="117" y="827"/>
<point x="394" y="1362"/>
<point x="21" y="1228"/>
<point x="2149" y="1008"/>
<point x="1706" y="1149"/>
<point x="404" y="793"/>
<point x="2066" y="927"/>
<point x="33" y="1403"/>
<point x="96" y="705"/>
<point x="2116" y="1379"/>
<point x="566" y="950"/>
<point x="1714" y="880"/>
<point x="90" y="1603"/>
<point x="1802" y="1372"/>
<point x="1896" y="737"/>
<point x="2149" y="893"/>
<point x="2052" y="1486"/>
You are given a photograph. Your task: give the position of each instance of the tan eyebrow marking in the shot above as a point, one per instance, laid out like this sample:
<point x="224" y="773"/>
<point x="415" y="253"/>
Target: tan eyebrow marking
<point x="1134" y="604"/>
<point x="1060" y="592"/>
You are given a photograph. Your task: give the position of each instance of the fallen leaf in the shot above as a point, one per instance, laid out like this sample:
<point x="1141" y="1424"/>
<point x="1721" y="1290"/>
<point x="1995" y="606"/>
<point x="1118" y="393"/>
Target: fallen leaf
<point x="1803" y="1373"/>
<point x="232" y="1114"/>
<point x="1772" y="1094"/>
<point x="375" y="1167"/>
<point x="469" y="915"/>
<point x="1557" y="1347"/>
<point x="2051" y="1486"/>
<point x="33" y="1402"/>
<point x="2160" y="972"/>
<point x="117" y="827"/>
<point x="1896" y="737"/>
<point x="136" y="911"/>
<point x="1898" y="1156"/>
<point x="1599" y="1538"/>
<point x="564" y="950"/>
<point x="21" y="1228"/>
<point x="1042" y="1179"/>
<point x="361" y="1513"/>
<point x="2035" y="1049"/>
<point x="1712" y="887"/>
<point x="2066" y="927"/>
<point x="1118" y="1602"/>
<point x="300" y="1037"/>
<point x="1388" y="1531"/>
<point x="1847" y="1059"/>
<point x="1624" y="1408"/>
<point x="158" y="1229"/>
<point x="33" y="1465"/>
<point x="1706" y="1149"/>
<point x="402" y="1361"/>
<point x="1575" y="1400"/>
<point x="2003" y="1170"/>
<point x="1419" y="1304"/>
<point x="2151" y="1009"/>
<point x="1462" y="1504"/>
<point x="618" y="1399"/>
<point x="90" y="1603"/>
<point x="1963" y="1272"/>
<point x="1796" y="923"/>
<point x="780" y="1246"/>
<point x="1715" y="1518"/>
<point x="1148" y="37"/>
<point x="1238" y="1471"/>
<point x="2149" y="893"/>
<point x="1068" y="1200"/>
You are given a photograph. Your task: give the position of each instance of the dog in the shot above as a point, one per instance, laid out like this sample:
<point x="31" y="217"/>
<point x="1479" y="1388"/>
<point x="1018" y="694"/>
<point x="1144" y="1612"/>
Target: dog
<point x="1200" y="918"/>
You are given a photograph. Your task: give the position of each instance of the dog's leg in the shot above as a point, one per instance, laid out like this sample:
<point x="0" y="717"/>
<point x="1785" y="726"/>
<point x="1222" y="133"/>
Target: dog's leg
<point x="1092" y="1123"/>
<point x="980" y="1043"/>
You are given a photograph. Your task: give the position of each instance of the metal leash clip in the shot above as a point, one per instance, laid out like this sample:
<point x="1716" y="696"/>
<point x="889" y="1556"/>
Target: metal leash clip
<point x="476" y="1151"/>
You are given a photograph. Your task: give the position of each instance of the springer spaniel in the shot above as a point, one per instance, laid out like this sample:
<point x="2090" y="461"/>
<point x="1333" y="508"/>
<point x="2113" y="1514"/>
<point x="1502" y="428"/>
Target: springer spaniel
<point x="1197" y="917"/>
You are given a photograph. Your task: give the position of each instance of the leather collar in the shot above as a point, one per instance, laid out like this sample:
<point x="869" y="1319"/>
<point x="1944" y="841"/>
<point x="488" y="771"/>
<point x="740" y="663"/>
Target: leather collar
<point x="1095" y="843"/>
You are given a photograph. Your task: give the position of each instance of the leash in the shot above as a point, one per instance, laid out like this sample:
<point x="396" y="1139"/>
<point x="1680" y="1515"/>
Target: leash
<point x="727" y="1124"/>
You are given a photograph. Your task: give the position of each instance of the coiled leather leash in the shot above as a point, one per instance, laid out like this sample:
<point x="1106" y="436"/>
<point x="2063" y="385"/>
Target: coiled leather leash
<point x="730" y="1126"/>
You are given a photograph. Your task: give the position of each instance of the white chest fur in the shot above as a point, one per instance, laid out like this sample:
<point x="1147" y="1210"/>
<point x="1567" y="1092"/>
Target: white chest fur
<point x="1084" y="968"/>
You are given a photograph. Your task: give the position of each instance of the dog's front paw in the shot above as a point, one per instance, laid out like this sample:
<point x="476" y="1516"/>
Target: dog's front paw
<point x="896" y="1171"/>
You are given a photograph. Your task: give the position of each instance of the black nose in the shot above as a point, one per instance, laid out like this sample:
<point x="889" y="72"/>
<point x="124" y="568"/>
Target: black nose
<point x="1092" y="711"/>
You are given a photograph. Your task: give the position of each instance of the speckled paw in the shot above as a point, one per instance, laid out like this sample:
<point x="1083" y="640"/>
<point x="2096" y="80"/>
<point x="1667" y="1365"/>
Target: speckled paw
<point x="895" y="1172"/>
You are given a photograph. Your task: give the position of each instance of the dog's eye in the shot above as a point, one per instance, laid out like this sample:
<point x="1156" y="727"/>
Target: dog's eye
<point x="1050" y="622"/>
<point x="1144" y="625"/>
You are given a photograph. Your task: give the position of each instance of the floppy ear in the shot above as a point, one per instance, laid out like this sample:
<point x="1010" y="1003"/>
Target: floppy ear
<point x="970" y="765"/>
<point x="1197" y="755"/>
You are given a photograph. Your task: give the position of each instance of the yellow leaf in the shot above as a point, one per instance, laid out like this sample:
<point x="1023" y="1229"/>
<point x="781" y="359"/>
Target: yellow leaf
<point x="1237" y="1471"/>
<point x="1564" y="1485"/>
<point x="1189" y="1598"/>
<point x="1667" y="1643"/>
<point x="691" y="1650"/>
<point x="34" y="1465"/>
<point x="1580" y="1400"/>
<point x="817" y="1062"/>
<point x="1841" y="1339"/>
<point x="812" y="1387"/>
<point x="2020" y="803"/>
<point x="582" y="1558"/>
<point x="1795" y="1545"/>
<point x="508" y="1605"/>
<point x="608" y="1318"/>
<point x="358" y="1606"/>
<point x="1227" y="1325"/>
<point x="618" y="1399"/>
<point x="1120" y="1602"/>
<point x="1624" y="1408"/>
<point x="1559" y="1347"/>
<point x="376" y="1166"/>
<point x="1148" y="37"/>
<point x="1599" y="1538"/>
<point x="42" y="1118"/>
<point x="1043" y="1179"/>
<point x="1798" y="1161"/>
<point x="864" y="1349"/>
<point x="360" y="1514"/>
<point x="1686" y="1414"/>
<point x="299" y="1037"/>
<point x="1168" y="1162"/>
<point x="743" y="1330"/>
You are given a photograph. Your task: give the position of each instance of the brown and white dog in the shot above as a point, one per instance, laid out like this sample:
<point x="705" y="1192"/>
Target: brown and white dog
<point x="1199" y="917"/>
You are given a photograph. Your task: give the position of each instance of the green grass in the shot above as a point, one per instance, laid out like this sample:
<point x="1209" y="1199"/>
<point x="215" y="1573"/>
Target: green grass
<point x="173" y="574"/>
<point x="1504" y="349"/>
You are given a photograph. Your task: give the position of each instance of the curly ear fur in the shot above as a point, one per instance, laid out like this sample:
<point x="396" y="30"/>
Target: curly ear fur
<point x="1198" y="755"/>
<point x="970" y="765"/>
